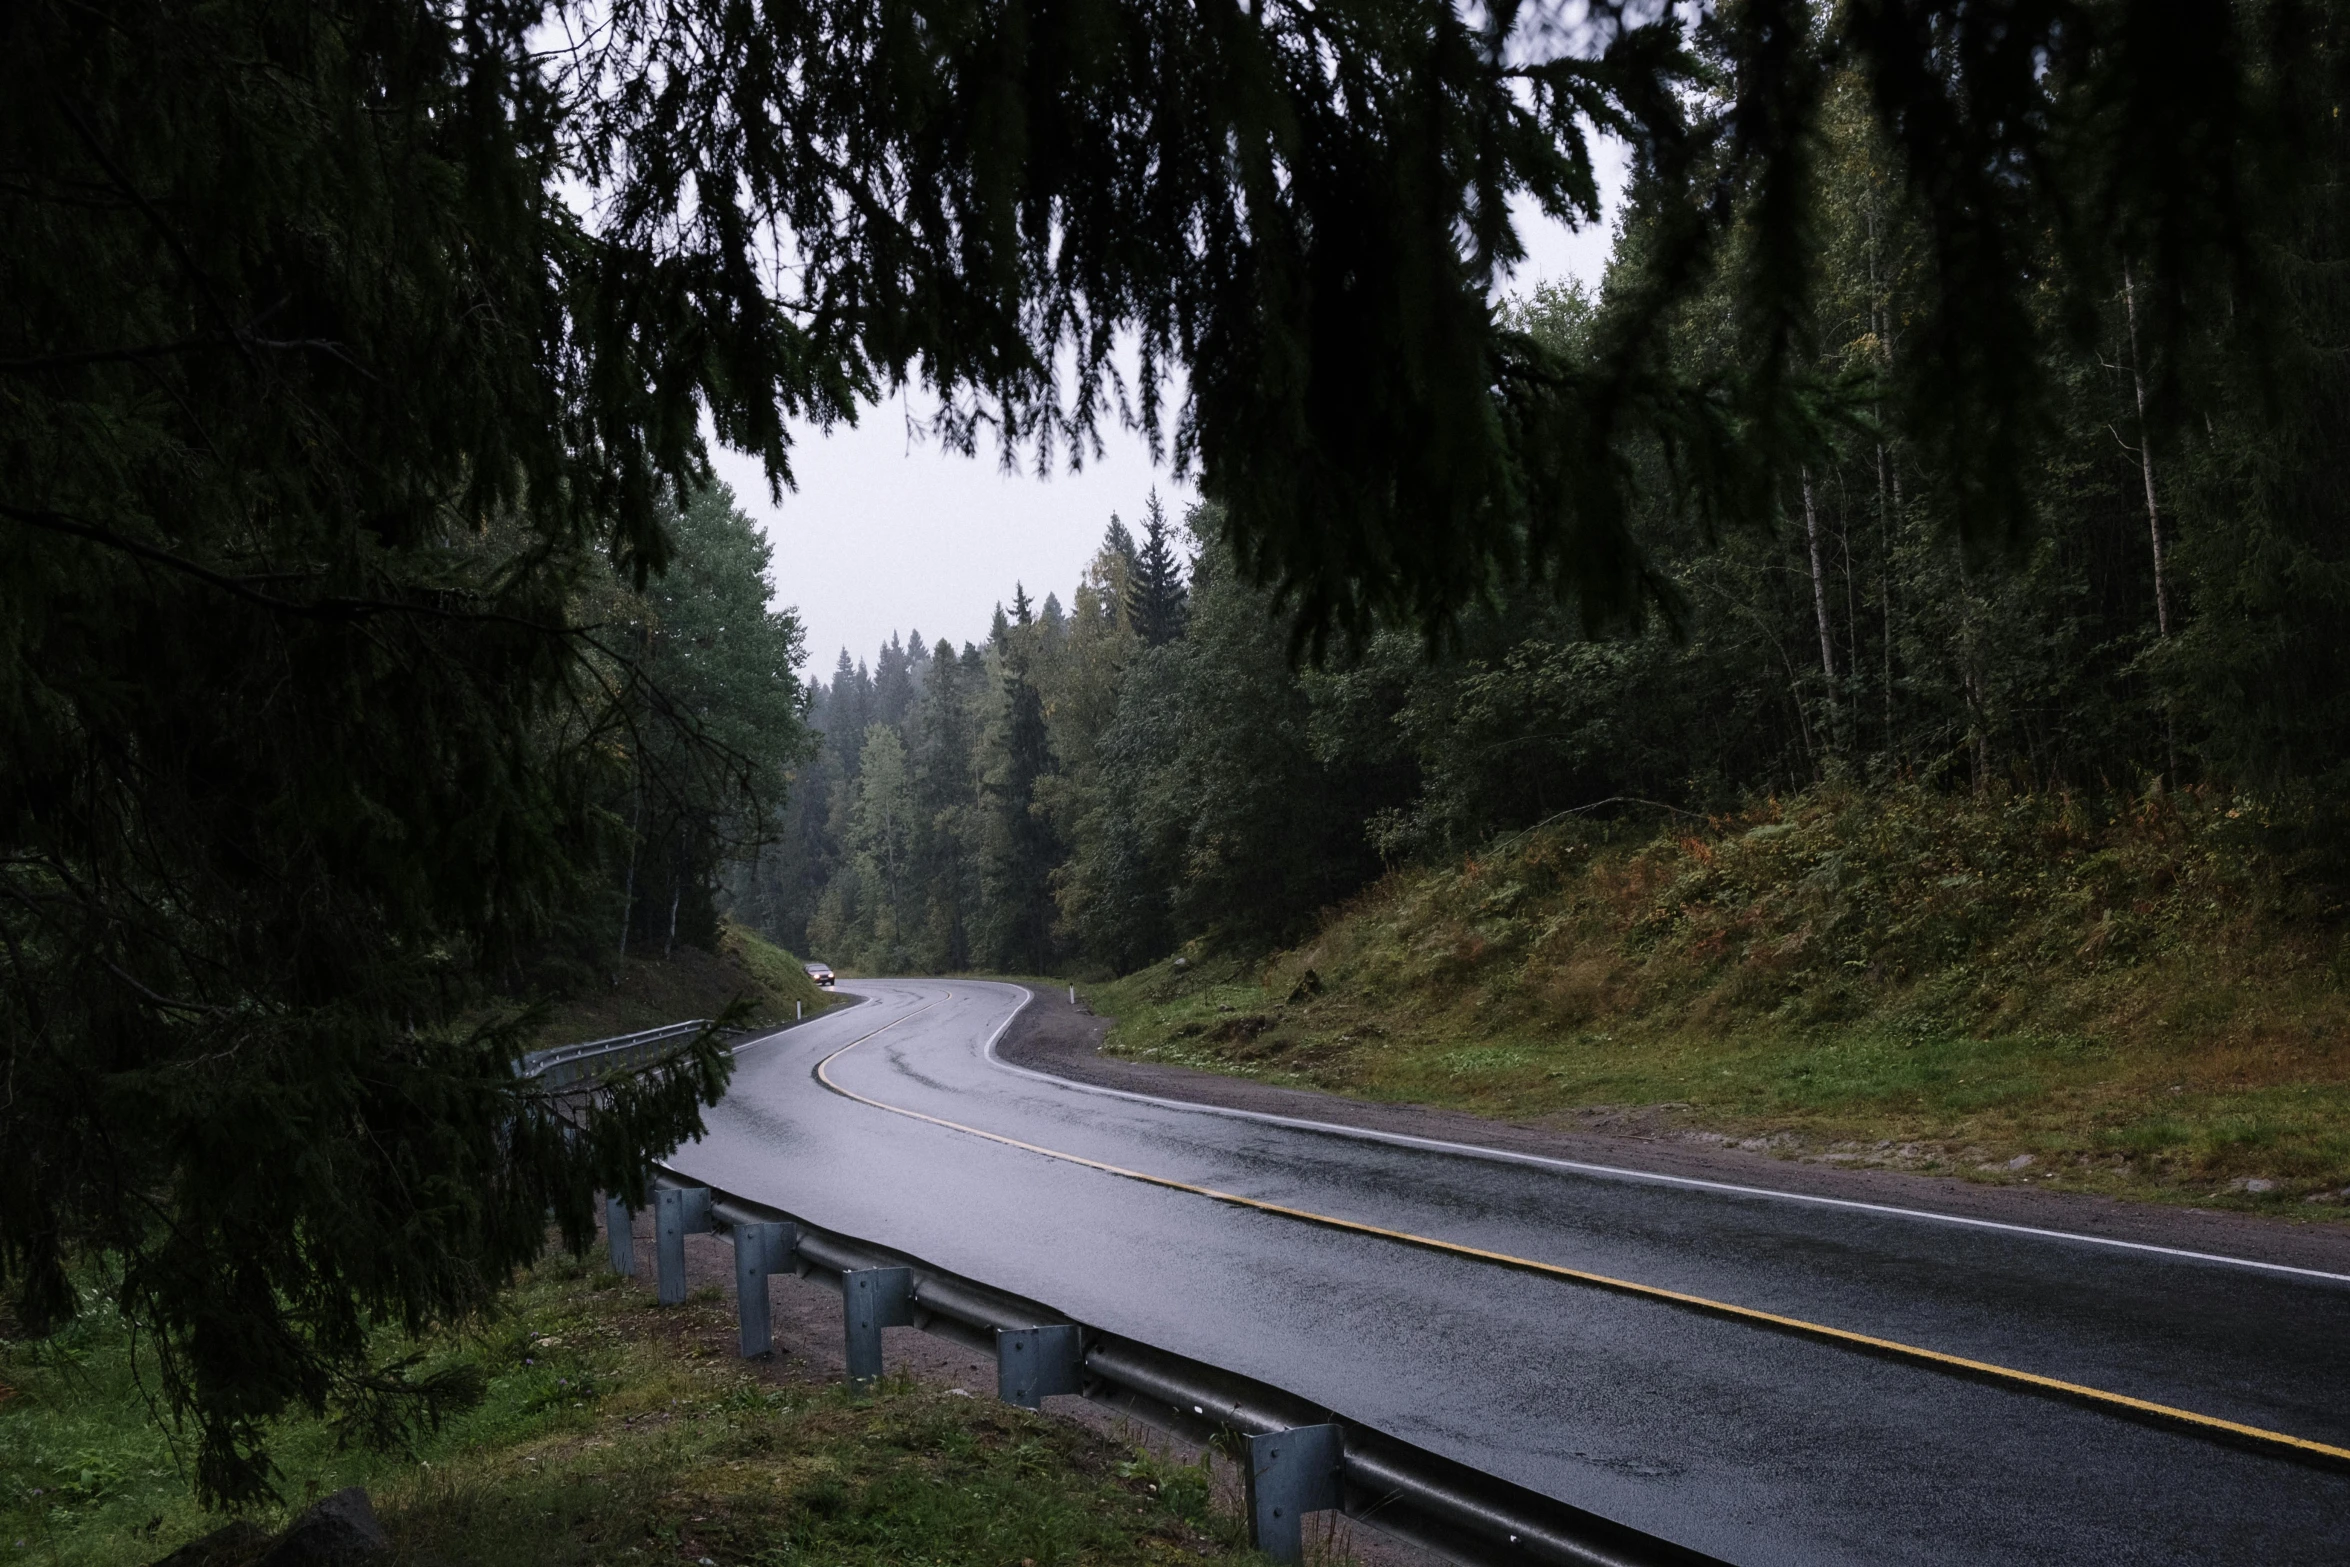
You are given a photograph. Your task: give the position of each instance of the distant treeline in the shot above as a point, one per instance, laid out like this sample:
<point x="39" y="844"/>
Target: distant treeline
<point x="375" y="653"/>
<point x="1094" y="784"/>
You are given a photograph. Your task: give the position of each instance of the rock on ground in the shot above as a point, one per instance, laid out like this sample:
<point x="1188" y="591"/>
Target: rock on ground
<point x="337" y="1531"/>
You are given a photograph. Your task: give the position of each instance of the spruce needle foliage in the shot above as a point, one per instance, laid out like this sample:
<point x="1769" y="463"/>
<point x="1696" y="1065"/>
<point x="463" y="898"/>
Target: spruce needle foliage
<point x="308" y="467"/>
<point x="347" y="349"/>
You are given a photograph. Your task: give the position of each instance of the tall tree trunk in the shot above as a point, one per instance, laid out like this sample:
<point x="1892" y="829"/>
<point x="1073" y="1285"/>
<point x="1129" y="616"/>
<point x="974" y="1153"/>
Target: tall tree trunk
<point x="2170" y="739"/>
<point x="1970" y="678"/>
<point x="628" y="895"/>
<point x="1885" y="509"/>
<point x="2146" y="460"/>
<point x="1852" y="653"/>
<point x="1978" y="725"/>
<point x="676" y="893"/>
<point x="1819" y="604"/>
<point x="1888" y="481"/>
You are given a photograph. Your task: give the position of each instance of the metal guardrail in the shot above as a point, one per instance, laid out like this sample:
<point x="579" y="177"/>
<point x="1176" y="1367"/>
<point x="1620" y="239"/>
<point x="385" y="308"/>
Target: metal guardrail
<point x="565" y="1064"/>
<point x="560" y="1065"/>
<point x="1297" y="1457"/>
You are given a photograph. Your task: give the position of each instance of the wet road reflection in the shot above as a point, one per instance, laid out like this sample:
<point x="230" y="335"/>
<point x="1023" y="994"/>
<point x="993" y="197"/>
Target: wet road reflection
<point x="1751" y="1444"/>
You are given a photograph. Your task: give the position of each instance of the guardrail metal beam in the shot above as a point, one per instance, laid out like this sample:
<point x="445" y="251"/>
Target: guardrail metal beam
<point x="1302" y="1458"/>
<point x="538" y="1061"/>
<point x="677" y="1210"/>
<point x="620" y="1235"/>
<point x="760" y="1249"/>
<point x="873" y="1299"/>
<point x="1033" y="1364"/>
<point x="1290" y="1474"/>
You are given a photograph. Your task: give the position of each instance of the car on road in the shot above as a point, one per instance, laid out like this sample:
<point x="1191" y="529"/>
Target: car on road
<point x="821" y="974"/>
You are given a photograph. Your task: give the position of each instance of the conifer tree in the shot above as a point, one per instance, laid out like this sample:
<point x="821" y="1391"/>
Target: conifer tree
<point x="946" y="799"/>
<point x="1020" y="851"/>
<point x="893" y="683"/>
<point x="1156" y="599"/>
<point x="709" y="780"/>
<point x="917" y="664"/>
<point x="882" y="829"/>
<point x="848" y="714"/>
<point x="326" y="402"/>
<point x="1118" y="541"/>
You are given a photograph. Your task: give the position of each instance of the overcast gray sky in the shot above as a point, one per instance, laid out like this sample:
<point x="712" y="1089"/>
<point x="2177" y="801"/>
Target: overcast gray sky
<point x="886" y="534"/>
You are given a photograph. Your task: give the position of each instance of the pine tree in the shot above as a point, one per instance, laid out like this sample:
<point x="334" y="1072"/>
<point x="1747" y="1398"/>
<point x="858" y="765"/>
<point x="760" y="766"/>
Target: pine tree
<point x="1156" y="599"/>
<point x="1118" y="541"/>
<point x="1101" y="591"/>
<point x="325" y="404"/>
<point x="943" y="761"/>
<point x="917" y="662"/>
<point x="848" y="714"/>
<point x="1016" y="916"/>
<point x="710" y="781"/>
<point x="882" y="836"/>
<point x="893" y="682"/>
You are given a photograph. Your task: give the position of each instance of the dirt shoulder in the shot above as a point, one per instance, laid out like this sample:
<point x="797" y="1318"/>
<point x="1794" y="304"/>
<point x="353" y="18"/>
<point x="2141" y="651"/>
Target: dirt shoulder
<point x="1051" y="1035"/>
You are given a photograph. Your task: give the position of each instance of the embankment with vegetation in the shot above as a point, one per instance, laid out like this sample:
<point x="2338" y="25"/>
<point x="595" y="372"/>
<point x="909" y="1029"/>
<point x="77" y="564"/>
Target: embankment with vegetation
<point x="2149" y="998"/>
<point x="607" y="1430"/>
<point x="373" y="651"/>
<point x="687" y="982"/>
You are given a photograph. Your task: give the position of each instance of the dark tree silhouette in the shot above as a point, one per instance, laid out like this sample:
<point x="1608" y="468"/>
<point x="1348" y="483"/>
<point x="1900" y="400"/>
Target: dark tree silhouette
<point x="1156" y="600"/>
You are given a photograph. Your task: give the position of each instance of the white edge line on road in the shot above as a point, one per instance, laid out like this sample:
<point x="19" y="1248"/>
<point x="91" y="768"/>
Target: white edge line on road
<point x="2079" y="1392"/>
<point x="1618" y="1172"/>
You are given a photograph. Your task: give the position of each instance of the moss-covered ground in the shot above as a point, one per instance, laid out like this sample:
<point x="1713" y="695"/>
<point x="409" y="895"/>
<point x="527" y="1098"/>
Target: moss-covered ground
<point x="614" y="1432"/>
<point x="2145" y="998"/>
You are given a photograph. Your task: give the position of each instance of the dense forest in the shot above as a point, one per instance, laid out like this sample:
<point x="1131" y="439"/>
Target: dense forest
<point x="1963" y="404"/>
<point x="1151" y="763"/>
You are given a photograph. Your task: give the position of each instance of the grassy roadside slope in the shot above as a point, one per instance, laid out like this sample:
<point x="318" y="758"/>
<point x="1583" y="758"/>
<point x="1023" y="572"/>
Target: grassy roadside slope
<point x="2135" y="999"/>
<point x="615" y="1431"/>
<point x="689" y="983"/>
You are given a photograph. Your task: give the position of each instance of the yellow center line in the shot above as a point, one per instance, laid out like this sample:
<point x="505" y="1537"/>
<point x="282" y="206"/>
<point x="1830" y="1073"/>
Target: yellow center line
<point x="2295" y="1446"/>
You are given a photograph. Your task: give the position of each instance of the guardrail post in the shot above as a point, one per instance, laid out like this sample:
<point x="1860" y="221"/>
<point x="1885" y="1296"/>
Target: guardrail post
<point x="676" y="1211"/>
<point x="1032" y="1364"/>
<point x="759" y="1250"/>
<point x="872" y="1299"/>
<point x="1290" y="1473"/>
<point x="620" y="1235"/>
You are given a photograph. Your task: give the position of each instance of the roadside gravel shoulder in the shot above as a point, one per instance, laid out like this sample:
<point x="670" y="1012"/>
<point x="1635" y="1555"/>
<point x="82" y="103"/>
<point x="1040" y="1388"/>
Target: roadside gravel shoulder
<point x="1050" y="1035"/>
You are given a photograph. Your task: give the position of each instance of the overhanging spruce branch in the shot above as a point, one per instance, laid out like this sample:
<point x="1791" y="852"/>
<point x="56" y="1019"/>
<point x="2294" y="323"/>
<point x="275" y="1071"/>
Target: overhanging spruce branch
<point x="327" y="607"/>
<point x="170" y="236"/>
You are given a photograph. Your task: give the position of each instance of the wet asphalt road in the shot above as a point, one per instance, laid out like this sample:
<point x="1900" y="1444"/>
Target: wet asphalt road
<point x="1753" y="1445"/>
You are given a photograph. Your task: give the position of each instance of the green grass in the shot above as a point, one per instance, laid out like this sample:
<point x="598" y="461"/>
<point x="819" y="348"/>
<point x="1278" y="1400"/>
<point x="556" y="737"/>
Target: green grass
<point x="613" y="1431"/>
<point x="2139" y="997"/>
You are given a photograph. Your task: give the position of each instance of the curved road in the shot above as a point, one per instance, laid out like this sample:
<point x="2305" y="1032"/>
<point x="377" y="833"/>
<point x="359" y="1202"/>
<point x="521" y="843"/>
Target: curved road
<point x="1754" y="1444"/>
